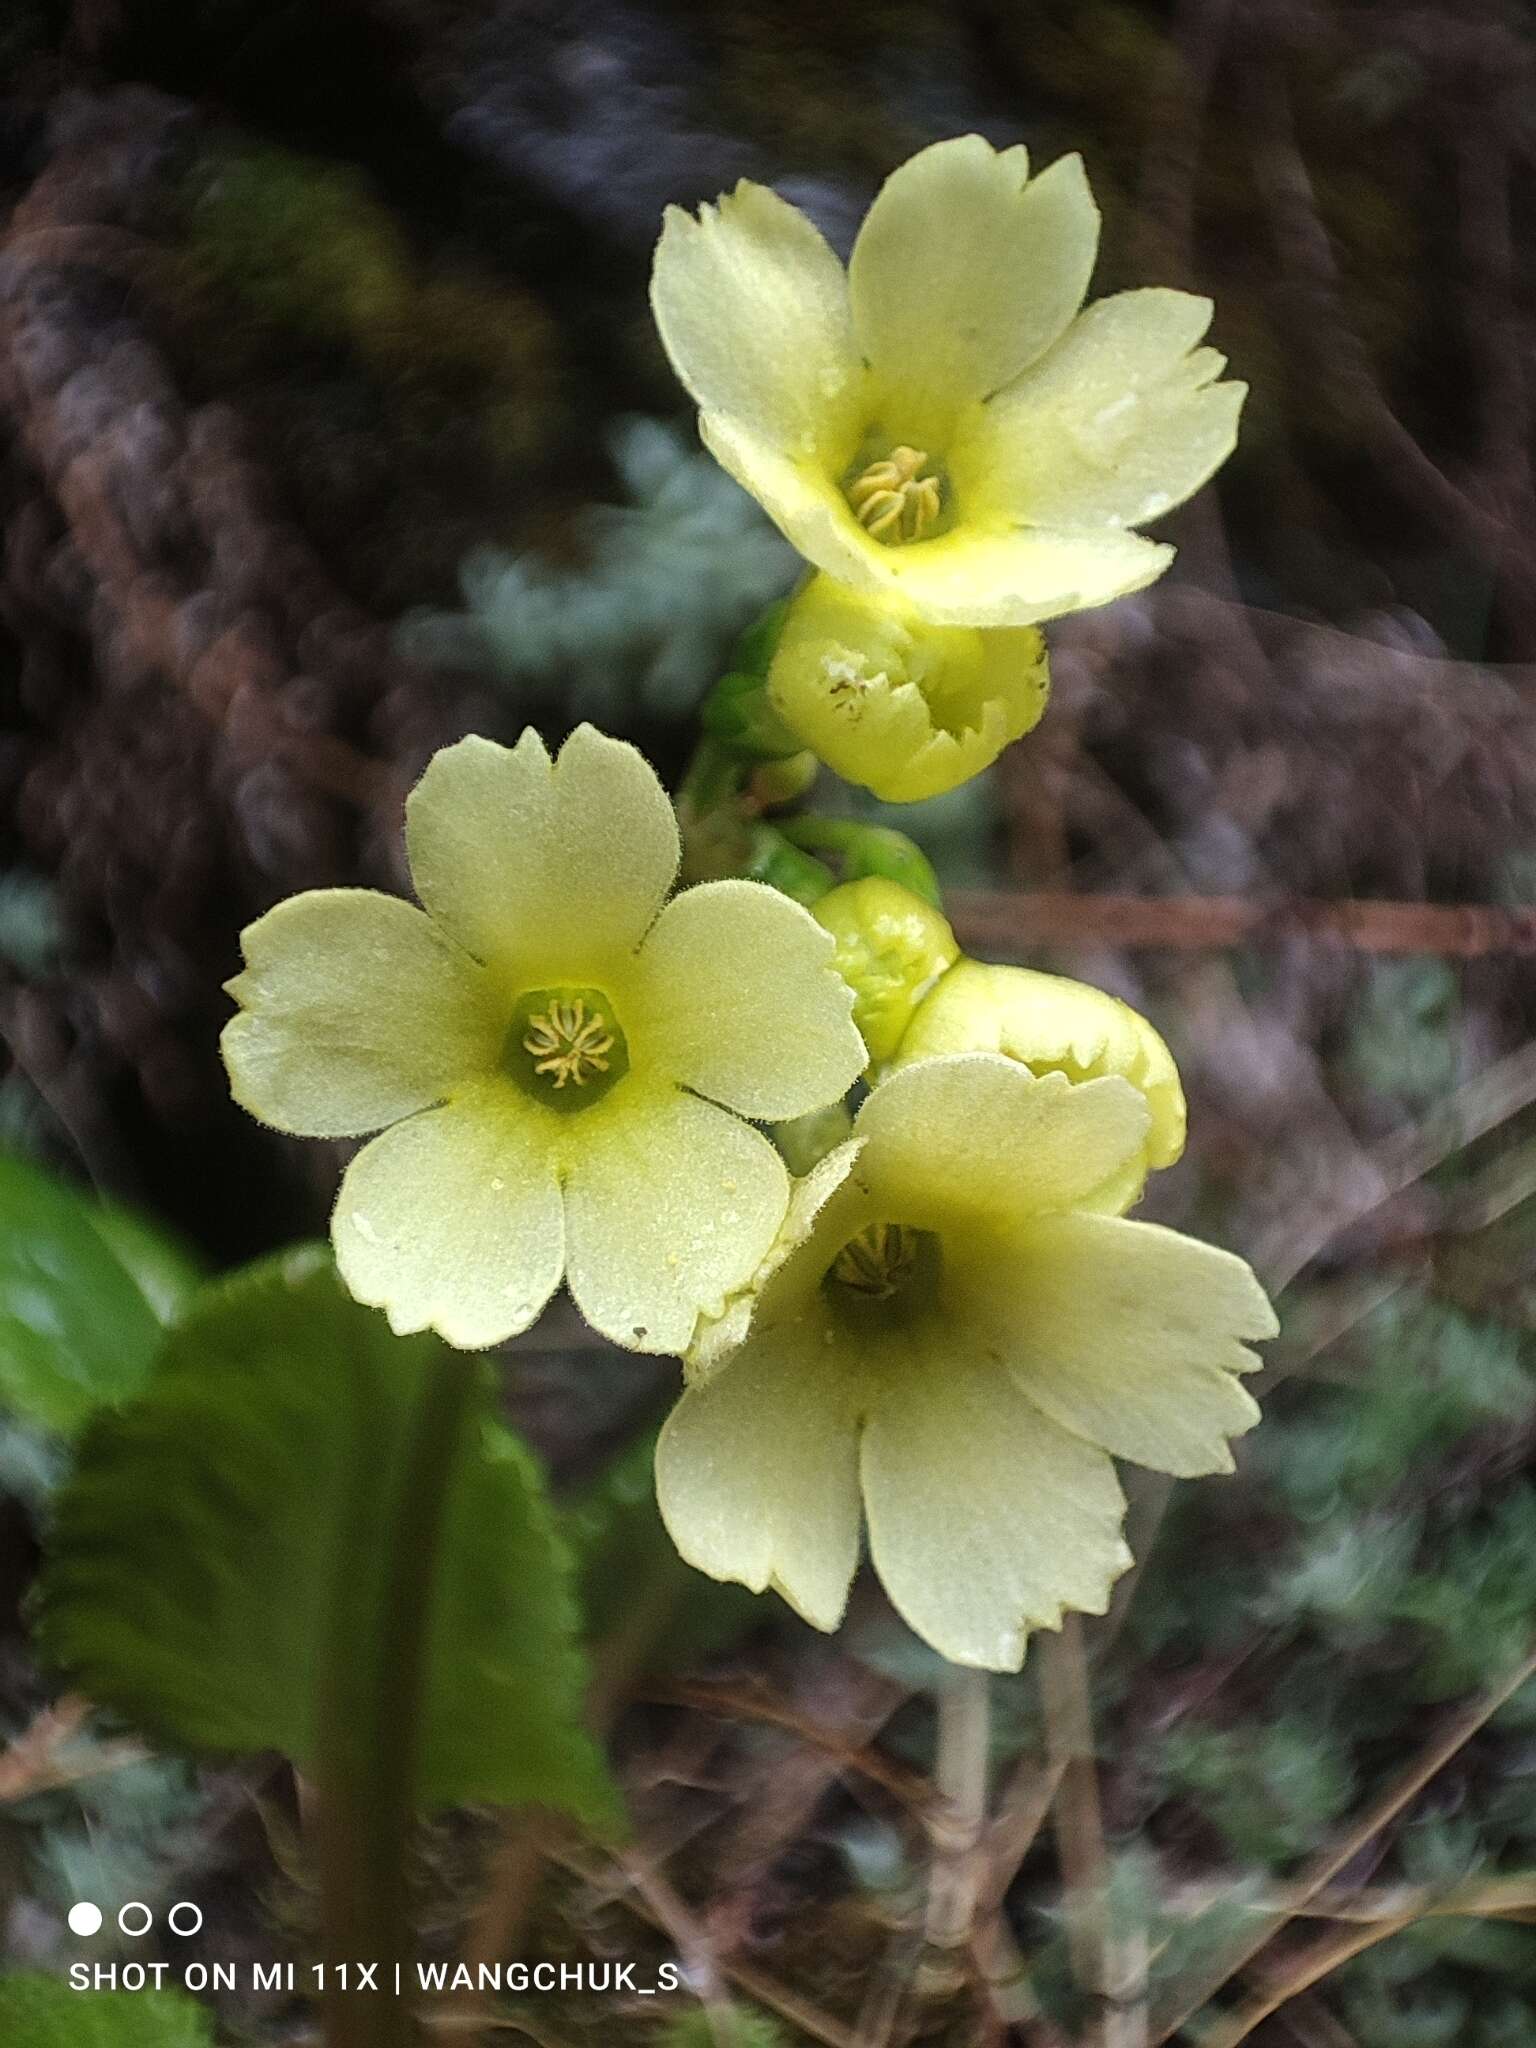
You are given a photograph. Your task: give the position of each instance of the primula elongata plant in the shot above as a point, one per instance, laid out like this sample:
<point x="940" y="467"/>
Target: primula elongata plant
<point x="943" y="1328"/>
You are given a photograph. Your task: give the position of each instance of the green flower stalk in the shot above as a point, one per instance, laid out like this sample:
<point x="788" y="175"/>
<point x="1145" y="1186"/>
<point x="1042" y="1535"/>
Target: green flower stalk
<point x="954" y="1338"/>
<point x="945" y="422"/>
<point x="560" y="1066"/>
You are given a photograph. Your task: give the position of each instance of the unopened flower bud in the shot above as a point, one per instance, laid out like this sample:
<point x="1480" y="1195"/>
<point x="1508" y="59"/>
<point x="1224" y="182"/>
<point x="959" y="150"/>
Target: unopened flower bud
<point x="891" y="949"/>
<point x="906" y="708"/>
<point x="1053" y="1025"/>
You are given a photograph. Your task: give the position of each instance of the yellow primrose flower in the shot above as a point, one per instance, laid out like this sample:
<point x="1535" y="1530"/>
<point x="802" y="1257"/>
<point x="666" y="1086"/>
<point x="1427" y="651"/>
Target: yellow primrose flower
<point x="1054" y="1025"/>
<point x="553" y="1058"/>
<point x="943" y="420"/>
<point x="906" y="708"/>
<point x="892" y="948"/>
<point x="946" y="1346"/>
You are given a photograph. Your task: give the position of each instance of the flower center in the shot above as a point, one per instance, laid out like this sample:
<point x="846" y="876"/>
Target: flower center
<point x="885" y="1274"/>
<point x="893" y="499"/>
<point x="564" y="1046"/>
<point x="567" y="1044"/>
<point x="878" y="1260"/>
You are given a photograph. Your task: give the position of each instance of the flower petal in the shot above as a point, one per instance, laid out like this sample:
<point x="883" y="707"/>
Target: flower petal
<point x="545" y="869"/>
<point x="355" y="1011"/>
<point x="1116" y="425"/>
<point x="764" y="1296"/>
<point x="985" y="1519"/>
<point x="757" y="1476"/>
<point x="974" y="1134"/>
<point x="753" y="310"/>
<point x="741" y="1000"/>
<point x="451" y="1221"/>
<point x="976" y="575"/>
<point x="963" y="272"/>
<point x="1053" y="1025"/>
<point x="671" y="1204"/>
<point x="1132" y="1336"/>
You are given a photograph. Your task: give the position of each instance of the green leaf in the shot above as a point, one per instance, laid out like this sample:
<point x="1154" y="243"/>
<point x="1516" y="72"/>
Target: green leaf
<point x="44" y="2012"/>
<point x="250" y="1555"/>
<point x="739" y="2027"/>
<point x="85" y="1294"/>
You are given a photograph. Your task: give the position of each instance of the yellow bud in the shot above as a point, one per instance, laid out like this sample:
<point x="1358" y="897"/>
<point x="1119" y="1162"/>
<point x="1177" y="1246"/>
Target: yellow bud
<point x="906" y="708"/>
<point x="1051" y="1024"/>
<point x="891" y="949"/>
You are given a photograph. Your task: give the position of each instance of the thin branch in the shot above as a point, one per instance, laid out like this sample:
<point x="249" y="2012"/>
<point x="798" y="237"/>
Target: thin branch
<point x="1193" y="1989"/>
<point x="1079" y="1825"/>
<point x="1009" y="924"/>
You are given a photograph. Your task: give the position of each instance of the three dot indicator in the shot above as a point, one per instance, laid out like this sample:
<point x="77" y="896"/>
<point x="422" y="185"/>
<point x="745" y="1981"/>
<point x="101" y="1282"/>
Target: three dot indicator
<point x="134" y="1919"/>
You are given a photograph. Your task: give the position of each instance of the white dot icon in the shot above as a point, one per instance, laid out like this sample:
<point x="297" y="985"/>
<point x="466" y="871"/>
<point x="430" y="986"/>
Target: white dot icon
<point x="85" y="1918"/>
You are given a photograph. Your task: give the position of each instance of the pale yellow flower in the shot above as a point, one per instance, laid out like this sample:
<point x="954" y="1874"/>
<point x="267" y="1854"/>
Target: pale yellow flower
<point x="906" y="708"/>
<point x="947" y="1347"/>
<point x="945" y="420"/>
<point x="559" y="1065"/>
<point x="1054" y="1025"/>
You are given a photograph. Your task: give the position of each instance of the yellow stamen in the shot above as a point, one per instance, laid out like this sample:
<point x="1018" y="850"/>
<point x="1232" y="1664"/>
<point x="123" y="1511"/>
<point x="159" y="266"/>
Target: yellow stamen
<point x="893" y="498"/>
<point x="877" y="1260"/>
<point x="569" y="1044"/>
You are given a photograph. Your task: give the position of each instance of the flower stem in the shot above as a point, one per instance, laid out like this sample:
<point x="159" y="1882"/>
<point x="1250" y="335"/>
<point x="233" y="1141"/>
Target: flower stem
<point x="369" y="1775"/>
<point x="962" y="1771"/>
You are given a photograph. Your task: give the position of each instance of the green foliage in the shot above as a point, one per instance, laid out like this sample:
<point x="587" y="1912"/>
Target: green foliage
<point x="1272" y="1791"/>
<point x="1431" y="1374"/>
<point x="642" y="626"/>
<point x="228" y="1560"/>
<point x="43" y="2012"/>
<point x="740" y="2027"/>
<point x="117" y="1831"/>
<point x="85" y="1294"/>
<point x="1476" y="1604"/>
<point x="305" y="246"/>
<point x="1403" y="1040"/>
<point x="302" y="243"/>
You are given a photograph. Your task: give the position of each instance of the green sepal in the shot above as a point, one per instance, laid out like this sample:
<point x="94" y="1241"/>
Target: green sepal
<point x="757" y="645"/>
<point x="771" y="857"/>
<point x="738" y="714"/>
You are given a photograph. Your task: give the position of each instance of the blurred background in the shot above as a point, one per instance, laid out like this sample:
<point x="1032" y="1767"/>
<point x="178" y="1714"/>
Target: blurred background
<point x="333" y="425"/>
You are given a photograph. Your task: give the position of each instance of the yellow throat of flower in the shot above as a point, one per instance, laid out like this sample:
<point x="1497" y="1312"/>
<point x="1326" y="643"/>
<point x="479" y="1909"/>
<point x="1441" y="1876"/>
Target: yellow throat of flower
<point x="893" y="498"/>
